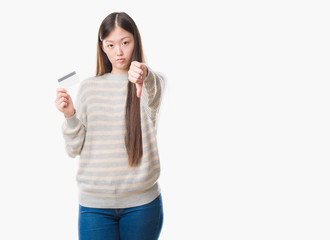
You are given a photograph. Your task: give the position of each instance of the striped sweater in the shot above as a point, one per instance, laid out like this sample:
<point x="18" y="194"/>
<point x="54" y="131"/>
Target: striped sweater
<point x="96" y="133"/>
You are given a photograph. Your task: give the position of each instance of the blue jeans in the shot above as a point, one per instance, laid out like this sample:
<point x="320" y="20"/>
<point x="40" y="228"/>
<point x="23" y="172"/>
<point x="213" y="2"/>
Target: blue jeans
<point x="135" y="223"/>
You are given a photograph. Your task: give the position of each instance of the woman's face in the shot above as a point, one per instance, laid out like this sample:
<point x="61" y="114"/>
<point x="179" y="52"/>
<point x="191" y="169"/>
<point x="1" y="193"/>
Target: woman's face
<point x="118" y="46"/>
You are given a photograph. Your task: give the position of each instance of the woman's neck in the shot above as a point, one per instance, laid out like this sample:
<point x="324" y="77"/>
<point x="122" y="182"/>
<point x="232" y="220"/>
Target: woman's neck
<point x="119" y="72"/>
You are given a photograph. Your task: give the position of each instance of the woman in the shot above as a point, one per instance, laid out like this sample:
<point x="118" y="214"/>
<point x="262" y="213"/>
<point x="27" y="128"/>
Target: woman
<point x="113" y="129"/>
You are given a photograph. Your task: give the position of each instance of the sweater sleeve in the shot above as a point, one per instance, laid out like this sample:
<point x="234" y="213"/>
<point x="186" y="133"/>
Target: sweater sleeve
<point x="152" y="93"/>
<point x="74" y="128"/>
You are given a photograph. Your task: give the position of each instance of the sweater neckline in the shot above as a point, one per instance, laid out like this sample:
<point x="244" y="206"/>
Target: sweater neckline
<point x="117" y="77"/>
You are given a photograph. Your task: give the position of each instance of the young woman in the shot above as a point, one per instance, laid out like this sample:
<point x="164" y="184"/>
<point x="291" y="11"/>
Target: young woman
<point x="113" y="129"/>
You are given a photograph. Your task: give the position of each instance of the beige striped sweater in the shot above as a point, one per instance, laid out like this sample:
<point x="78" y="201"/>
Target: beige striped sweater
<point x="96" y="133"/>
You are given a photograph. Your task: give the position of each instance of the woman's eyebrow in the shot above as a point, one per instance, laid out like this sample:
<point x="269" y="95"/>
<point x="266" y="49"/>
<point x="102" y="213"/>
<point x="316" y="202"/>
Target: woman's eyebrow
<point x="119" y="39"/>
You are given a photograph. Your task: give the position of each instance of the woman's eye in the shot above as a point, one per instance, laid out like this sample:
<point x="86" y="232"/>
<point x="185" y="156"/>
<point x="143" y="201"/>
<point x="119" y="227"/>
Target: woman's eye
<point x="110" y="45"/>
<point x="125" y="43"/>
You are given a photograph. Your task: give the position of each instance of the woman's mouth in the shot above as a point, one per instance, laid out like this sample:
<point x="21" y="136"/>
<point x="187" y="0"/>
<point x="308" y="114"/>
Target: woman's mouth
<point x="120" y="59"/>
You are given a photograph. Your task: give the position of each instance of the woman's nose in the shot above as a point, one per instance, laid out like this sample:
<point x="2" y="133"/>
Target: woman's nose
<point x="119" y="50"/>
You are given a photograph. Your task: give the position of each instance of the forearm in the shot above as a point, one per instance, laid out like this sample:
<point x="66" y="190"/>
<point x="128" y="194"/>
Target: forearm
<point x="74" y="132"/>
<point x="153" y="90"/>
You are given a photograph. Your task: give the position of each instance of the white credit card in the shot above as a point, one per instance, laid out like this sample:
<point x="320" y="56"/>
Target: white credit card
<point x="68" y="80"/>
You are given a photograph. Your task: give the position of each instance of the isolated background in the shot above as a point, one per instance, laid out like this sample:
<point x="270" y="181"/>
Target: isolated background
<point x="244" y="128"/>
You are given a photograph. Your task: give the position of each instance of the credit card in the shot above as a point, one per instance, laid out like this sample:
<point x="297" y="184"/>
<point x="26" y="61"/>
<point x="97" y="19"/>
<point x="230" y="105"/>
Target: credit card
<point x="68" y="80"/>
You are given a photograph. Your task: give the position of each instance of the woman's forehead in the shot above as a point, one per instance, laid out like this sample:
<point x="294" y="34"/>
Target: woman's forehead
<point x="118" y="34"/>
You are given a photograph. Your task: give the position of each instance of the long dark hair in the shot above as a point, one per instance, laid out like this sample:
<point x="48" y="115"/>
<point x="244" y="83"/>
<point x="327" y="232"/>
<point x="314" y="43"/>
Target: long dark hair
<point x="133" y="136"/>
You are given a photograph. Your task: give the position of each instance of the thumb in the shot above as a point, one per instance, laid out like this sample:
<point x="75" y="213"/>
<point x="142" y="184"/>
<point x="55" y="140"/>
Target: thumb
<point x="138" y="89"/>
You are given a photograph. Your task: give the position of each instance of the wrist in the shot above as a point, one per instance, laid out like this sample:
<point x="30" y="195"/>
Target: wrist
<point x="70" y="116"/>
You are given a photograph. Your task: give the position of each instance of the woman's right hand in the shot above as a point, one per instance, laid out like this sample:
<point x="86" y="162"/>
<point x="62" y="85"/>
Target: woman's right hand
<point x="64" y="102"/>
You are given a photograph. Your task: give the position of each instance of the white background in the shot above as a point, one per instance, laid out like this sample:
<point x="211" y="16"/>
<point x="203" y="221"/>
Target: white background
<point x="244" y="127"/>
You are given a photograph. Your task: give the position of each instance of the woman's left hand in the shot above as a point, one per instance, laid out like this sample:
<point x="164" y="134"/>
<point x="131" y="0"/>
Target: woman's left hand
<point x="137" y="74"/>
